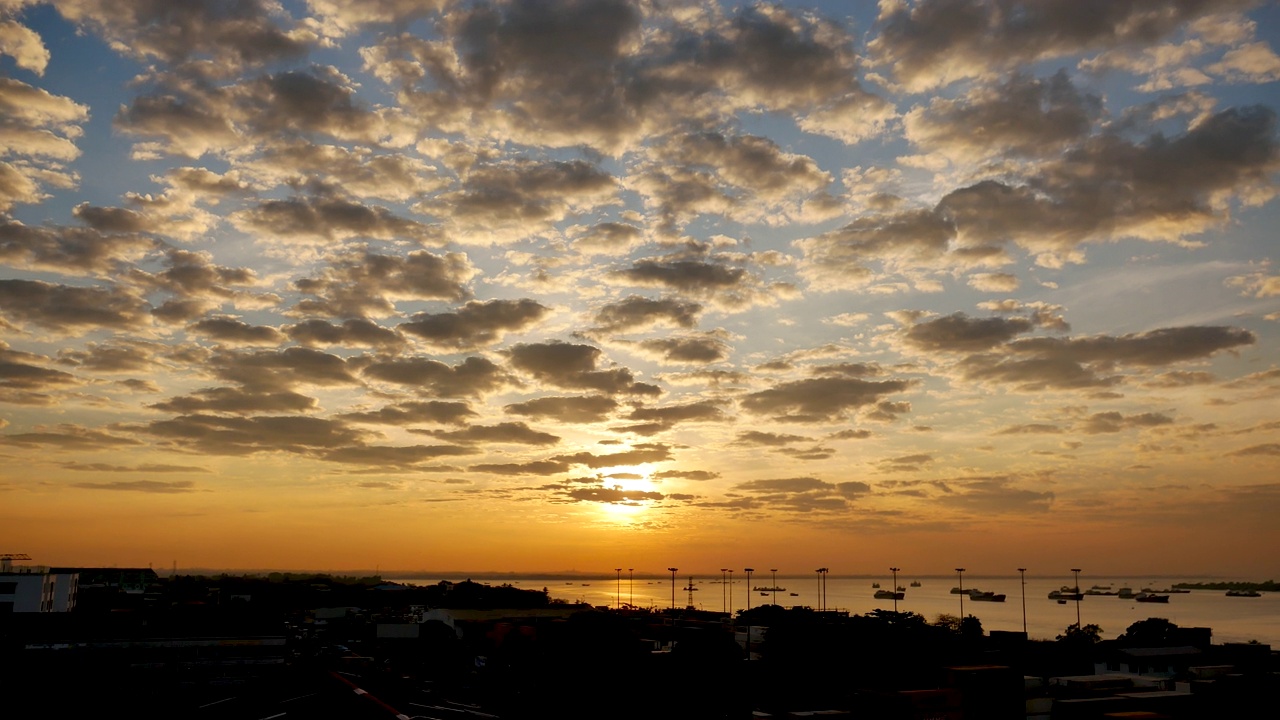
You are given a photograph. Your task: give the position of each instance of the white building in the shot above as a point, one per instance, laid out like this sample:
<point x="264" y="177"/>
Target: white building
<point x="35" y="589"/>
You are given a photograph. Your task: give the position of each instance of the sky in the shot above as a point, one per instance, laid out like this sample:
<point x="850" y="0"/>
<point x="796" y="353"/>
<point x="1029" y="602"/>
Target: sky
<point x="549" y="285"/>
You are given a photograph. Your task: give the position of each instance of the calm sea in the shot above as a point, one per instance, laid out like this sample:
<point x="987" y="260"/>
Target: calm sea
<point x="1233" y="619"/>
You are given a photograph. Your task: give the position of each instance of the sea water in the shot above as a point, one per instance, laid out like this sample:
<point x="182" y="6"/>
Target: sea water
<point x="1233" y="619"/>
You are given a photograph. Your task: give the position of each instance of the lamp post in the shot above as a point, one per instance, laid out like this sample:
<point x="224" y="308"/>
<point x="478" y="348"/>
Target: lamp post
<point x="748" y="571"/>
<point x="775" y="584"/>
<point x="731" y="592"/>
<point x="960" y="574"/>
<point x="1077" y="574"/>
<point x="631" y="587"/>
<point x="673" y="588"/>
<point x="894" y="570"/>
<point x="822" y="588"/>
<point x="724" y="605"/>
<point x="1022" y="573"/>
<point x="619" y="587"/>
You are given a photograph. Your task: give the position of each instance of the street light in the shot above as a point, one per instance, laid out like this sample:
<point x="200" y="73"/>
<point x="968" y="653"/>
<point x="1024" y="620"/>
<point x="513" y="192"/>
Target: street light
<point x="1077" y="573"/>
<point x="673" y="588"/>
<point x="775" y="584"/>
<point x="822" y="588"/>
<point x="619" y="587"/>
<point x="1022" y="573"/>
<point x="723" y="604"/>
<point x="731" y="592"/>
<point x="748" y="571"/>
<point x="895" y="588"/>
<point x="960" y="573"/>
<point x="631" y="587"/>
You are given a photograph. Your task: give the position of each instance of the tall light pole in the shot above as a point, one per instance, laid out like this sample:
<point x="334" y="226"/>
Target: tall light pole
<point x="775" y="584"/>
<point x="1077" y="573"/>
<point x="618" y="589"/>
<point x="822" y="588"/>
<point x="960" y="574"/>
<point x="631" y="587"/>
<point x="1022" y="573"/>
<point x="894" y="570"/>
<point x="673" y="588"/>
<point x="748" y="571"/>
<point x="723" y="603"/>
<point x="731" y="592"/>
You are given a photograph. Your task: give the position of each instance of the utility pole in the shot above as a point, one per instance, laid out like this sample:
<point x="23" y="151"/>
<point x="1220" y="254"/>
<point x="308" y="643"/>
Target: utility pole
<point x="673" y="588"/>
<point x="1022" y="573"/>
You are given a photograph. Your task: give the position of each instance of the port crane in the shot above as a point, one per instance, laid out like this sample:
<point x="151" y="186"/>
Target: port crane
<point x="6" y="560"/>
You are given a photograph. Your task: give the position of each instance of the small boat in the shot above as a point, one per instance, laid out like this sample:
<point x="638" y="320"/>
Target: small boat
<point x="1066" y="593"/>
<point x="795" y="594"/>
<point x="980" y="596"/>
<point x="900" y="589"/>
<point x="1151" y="598"/>
<point x="915" y="583"/>
<point x="875" y="585"/>
<point x="764" y="594"/>
<point x="1126" y="593"/>
<point x="1062" y="602"/>
<point x="889" y="595"/>
<point x="958" y="591"/>
<point x="1243" y="593"/>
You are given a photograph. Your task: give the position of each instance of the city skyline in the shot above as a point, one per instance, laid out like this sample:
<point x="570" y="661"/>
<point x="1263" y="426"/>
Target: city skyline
<point x="528" y="286"/>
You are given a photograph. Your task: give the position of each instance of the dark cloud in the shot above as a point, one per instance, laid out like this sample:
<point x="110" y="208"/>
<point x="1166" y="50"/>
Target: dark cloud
<point x="472" y="377"/>
<point x="574" y="367"/>
<point x="355" y="332"/>
<point x="819" y="399"/>
<point x="218" y="435"/>
<point x="283" y="369"/>
<point x="69" y="437"/>
<point x="802" y="494"/>
<point x="329" y="219"/>
<point x="995" y="495"/>
<point x="571" y="409"/>
<point x="1113" y="422"/>
<point x="1031" y="429"/>
<point x="507" y="432"/>
<point x="406" y="456"/>
<point x="936" y="42"/>
<point x="699" y="475"/>
<point x="143" y="468"/>
<point x="960" y="333"/>
<point x="536" y="467"/>
<point x="641" y="313"/>
<point x="613" y="495"/>
<point x="239" y="32"/>
<point x="475" y="324"/>
<point x="1265" y="449"/>
<point x="145" y="486"/>
<point x="69" y="250"/>
<point x="698" y="349"/>
<point x="66" y="308"/>
<point x="233" y="331"/>
<point x="642" y="453"/>
<point x="25" y="371"/>
<point x="768" y="439"/>
<point x="360" y="284"/>
<point x="237" y="401"/>
<point x="414" y="412"/>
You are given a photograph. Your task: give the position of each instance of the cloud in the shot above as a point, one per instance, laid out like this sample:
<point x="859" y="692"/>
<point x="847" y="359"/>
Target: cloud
<point x="994" y="495"/>
<point x="638" y="454"/>
<point x="472" y="377"/>
<point x="768" y="439"/>
<point x="640" y="313"/>
<point x="415" y="412"/>
<point x="145" y="486"/>
<point x="694" y="349"/>
<point x="1265" y="449"/>
<point x="960" y="333"/>
<point x="405" y="456"/>
<point x="535" y="467"/>
<point x="69" y="437"/>
<point x="353" y="332"/>
<point x="237" y="401"/>
<point x="819" y="399"/>
<point x="570" y="409"/>
<point x="803" y="494"/>
<point x="507" y="432"/>
<point x="574" y="367"/>
<point x="246" y="435"/>
<point x="932" y="43"/>
<point x="358" y="284"/>
<point x="71" y="309"/>
<point x="1113" y="422"/>
<point x="232" y="331"/>
<point x="475" y="324"/>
